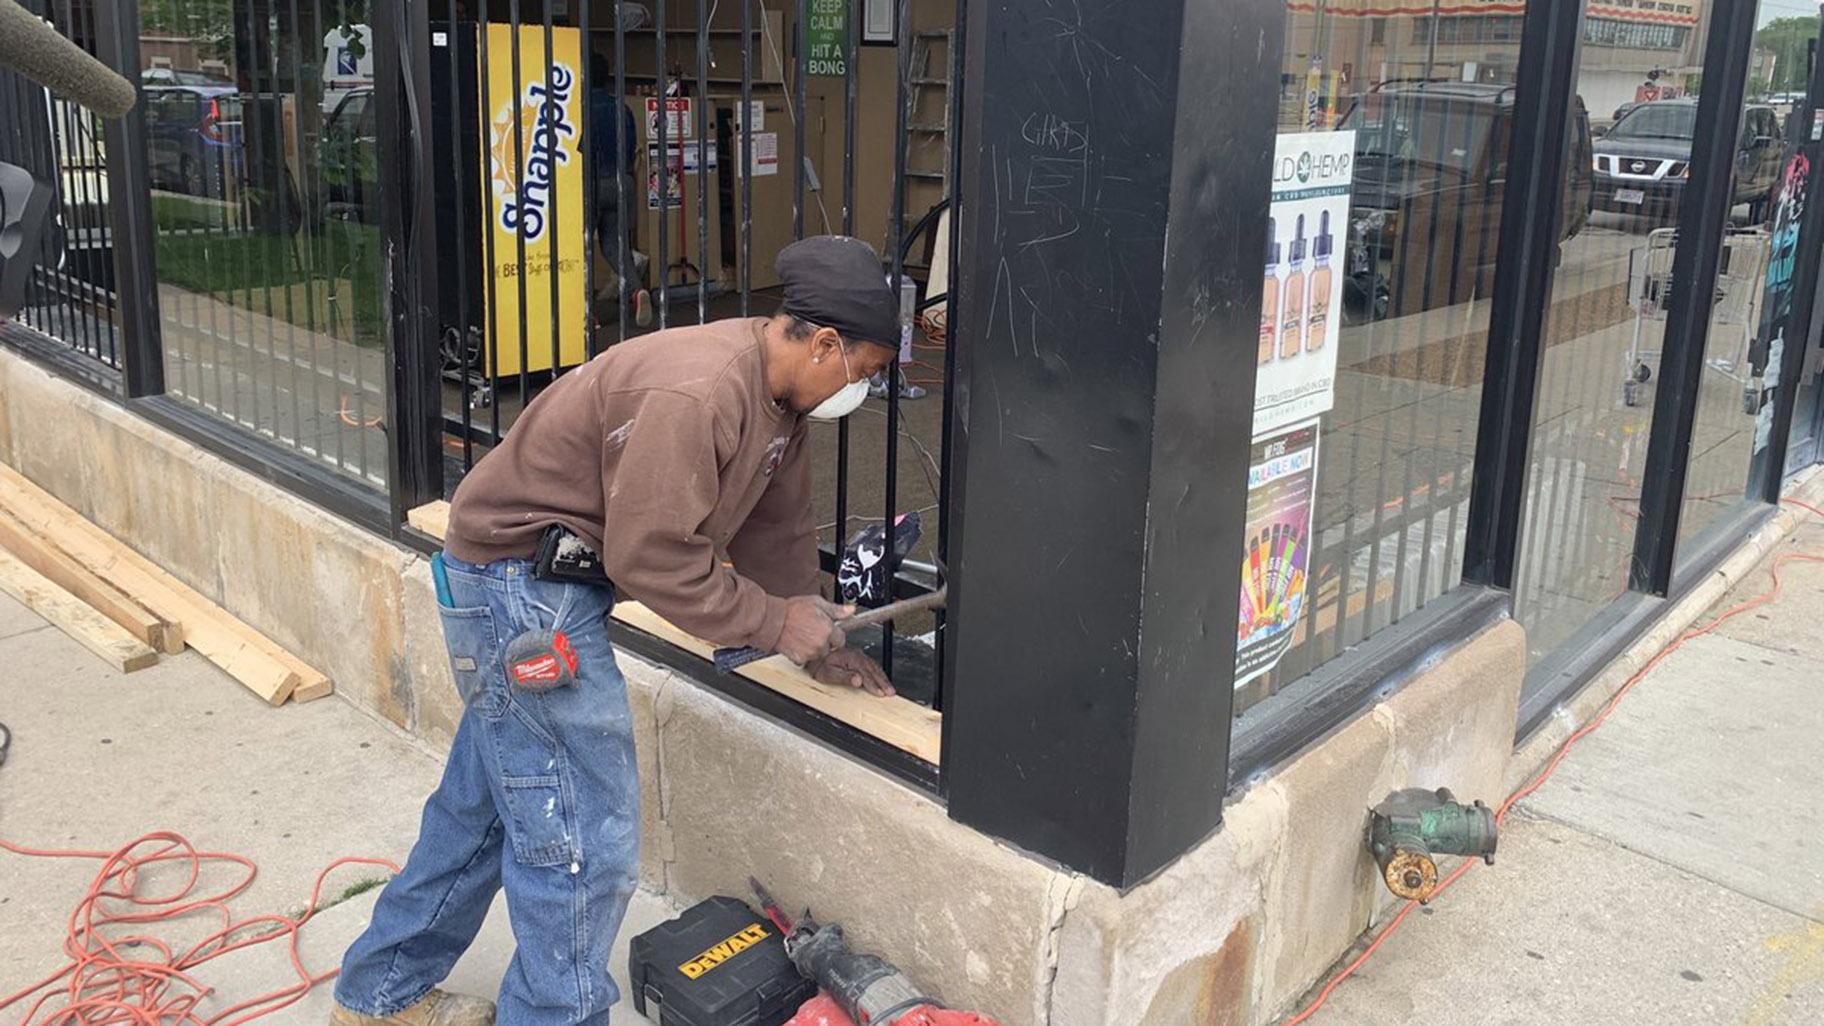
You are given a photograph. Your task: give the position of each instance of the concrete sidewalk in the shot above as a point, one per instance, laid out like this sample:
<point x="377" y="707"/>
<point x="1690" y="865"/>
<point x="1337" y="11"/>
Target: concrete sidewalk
<point x="1671" y="872"/>
<point x="98" y="759"/>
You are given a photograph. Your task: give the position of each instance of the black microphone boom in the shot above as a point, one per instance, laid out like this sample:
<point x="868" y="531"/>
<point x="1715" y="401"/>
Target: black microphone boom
<point x="30" y="46"/>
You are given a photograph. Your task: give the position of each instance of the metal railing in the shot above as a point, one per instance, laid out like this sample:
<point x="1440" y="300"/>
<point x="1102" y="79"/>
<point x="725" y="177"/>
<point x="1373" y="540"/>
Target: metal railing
<point x="602" y="171"/>
<point x="71" y="296"/>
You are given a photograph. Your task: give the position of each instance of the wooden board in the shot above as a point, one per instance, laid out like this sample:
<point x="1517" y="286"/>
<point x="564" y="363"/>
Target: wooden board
<point x="42" y="555"/>
<point x="242" y="652"/>
<point x="71" y="615"/>
<point x="319" y="688"/>
<point x="433" y="518"/>
<point x="902" y="723"/>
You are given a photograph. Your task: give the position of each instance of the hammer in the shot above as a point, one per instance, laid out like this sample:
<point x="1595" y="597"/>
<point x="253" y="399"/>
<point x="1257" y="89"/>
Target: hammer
<point x="728" y="660"/>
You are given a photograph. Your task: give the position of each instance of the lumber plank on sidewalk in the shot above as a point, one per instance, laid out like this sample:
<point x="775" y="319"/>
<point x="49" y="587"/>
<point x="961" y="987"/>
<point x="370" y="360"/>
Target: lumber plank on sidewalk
<point x="71" y="615"/>
<point x="242" y="652"/>
<point x="313" y="689"/>
<point x="43" y="555"/>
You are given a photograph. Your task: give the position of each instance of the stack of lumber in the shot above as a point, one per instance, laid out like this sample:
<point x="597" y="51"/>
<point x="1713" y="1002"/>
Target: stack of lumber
<point x="122" y="606"/>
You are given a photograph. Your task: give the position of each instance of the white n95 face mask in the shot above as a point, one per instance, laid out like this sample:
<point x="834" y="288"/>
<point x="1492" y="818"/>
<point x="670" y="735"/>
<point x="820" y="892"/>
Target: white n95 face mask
<point x="847" y="399"/>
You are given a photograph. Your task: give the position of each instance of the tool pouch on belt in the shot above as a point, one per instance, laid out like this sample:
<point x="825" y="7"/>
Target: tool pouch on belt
<point x="540" y="660"/>
<point x="564" y="556"/>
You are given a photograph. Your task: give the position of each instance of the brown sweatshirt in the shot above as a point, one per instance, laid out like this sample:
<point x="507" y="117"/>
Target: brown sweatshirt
<point x="664" y="453"/>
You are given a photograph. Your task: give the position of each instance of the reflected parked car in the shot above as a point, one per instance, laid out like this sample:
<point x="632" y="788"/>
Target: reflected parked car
<point x="1643" y="164"/>
<point x="224" y="148"/>
<point x="193" y="138"/>
<point x="1430" y="174"/>
<point x="348" y="159"/>
<point x="174" y="76"/>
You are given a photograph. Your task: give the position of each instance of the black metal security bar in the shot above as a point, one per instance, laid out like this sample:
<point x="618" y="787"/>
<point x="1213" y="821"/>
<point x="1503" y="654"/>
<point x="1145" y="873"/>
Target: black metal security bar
<point x="896" y="233"/>
<point x="954" y="116"/>
<point x="849" y="105"/>
<point x="71" y="298"/>
<point x="685" y="116"/>
<point x="402" y="38"/>
<point x="130" y="226"/>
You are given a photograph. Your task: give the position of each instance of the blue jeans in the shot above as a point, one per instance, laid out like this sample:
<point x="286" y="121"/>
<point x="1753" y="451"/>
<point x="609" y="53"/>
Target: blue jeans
<point x="540" y="796"/>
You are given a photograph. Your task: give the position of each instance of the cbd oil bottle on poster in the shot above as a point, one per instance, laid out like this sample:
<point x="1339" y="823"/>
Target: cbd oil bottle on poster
<point x="1317" y="316"/>
<point x="1292" y="321"/>
<point x="1269" y="298"/>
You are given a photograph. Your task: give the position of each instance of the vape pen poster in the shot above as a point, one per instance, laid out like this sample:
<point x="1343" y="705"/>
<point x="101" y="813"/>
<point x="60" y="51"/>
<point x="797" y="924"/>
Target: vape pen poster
<point x="1302" y="291"/>
<point x="1282" y="480"/>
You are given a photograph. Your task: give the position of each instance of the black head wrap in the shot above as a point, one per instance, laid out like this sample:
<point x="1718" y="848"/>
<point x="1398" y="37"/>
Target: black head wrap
<point x="833" y="281"/>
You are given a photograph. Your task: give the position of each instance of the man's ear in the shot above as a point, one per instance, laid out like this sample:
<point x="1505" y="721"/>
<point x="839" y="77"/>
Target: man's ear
<point x="825" y="342"/>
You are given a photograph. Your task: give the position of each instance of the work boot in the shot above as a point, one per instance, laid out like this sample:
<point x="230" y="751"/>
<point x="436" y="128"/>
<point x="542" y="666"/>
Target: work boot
<point x="437" y="1009"/>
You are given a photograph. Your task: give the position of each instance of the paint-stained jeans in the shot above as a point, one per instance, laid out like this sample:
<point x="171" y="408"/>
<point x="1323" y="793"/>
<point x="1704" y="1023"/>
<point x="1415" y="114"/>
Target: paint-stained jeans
<point x="540" y="796"/>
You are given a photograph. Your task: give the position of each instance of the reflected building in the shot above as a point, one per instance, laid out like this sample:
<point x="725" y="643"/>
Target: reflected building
<point x="1336" y="49"/>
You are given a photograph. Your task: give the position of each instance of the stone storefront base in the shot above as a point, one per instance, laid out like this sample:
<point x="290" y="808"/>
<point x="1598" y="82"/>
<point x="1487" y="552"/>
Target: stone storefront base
<point x="1231" y="933"/>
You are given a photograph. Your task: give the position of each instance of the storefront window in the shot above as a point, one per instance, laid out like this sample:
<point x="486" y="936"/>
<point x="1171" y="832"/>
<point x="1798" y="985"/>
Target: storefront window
<point x="1629" y="155"/>
<point x="260" y="149"/>
<point x="1762" y="229"/>
<point x="1391" y="175"/>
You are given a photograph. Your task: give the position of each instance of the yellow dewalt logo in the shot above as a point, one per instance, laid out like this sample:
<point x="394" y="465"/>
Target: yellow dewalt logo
<point x="724" y="951"/>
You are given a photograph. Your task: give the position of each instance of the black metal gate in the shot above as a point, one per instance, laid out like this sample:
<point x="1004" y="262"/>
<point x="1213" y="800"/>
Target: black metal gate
<point x="592" y="172"/>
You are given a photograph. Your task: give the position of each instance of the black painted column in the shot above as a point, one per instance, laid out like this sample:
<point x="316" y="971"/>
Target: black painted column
<point x="142" y="362"/>
<point x="414" y="403"/>
<point x="1115" y="188"/>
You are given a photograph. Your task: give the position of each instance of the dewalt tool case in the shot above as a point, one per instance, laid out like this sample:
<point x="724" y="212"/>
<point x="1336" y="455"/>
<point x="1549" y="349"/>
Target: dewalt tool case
<point x="717" y="964"/>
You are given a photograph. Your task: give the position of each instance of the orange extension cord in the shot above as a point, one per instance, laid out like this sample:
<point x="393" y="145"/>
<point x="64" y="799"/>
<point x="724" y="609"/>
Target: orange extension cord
<point x="1551" y="767"/>
<point x="104" y="986"/>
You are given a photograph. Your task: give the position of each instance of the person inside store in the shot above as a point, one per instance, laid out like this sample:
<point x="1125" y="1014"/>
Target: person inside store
<point x="613" y="136"/>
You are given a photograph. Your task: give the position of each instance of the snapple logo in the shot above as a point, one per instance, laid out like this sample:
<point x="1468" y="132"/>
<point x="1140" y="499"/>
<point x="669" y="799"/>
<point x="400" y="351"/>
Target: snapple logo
<point x="1307" y="165"/>
<point x="547" y="135"/>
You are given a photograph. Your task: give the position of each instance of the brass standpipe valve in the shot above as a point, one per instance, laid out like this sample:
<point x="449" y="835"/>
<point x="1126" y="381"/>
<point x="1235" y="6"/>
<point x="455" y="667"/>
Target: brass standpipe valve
<point x="1412" y="826"/>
